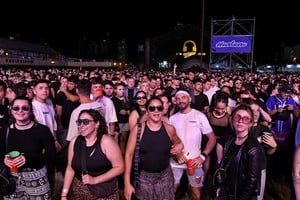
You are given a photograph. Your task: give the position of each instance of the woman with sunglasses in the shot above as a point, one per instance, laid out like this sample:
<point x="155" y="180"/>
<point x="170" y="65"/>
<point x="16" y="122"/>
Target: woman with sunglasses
<point x="35" y="146"/>
<point x="137" y="114"/>
<point x="158" y="141"/>
<point x="101" y="155"/>
<point x="243" y="160"/>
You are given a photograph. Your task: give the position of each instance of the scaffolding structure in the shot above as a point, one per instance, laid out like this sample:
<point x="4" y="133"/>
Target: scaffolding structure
<point x="232" y="59"/>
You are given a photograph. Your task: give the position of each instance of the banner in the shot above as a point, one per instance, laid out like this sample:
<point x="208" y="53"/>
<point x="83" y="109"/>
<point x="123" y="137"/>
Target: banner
<point x="231" y="44"/>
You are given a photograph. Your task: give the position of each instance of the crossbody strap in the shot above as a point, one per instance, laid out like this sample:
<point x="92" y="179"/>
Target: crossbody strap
<point x="237" y="153"/>
<point x="137" y="154"/>
<point x="6" y="139"/>
<point x="83" y="154"/>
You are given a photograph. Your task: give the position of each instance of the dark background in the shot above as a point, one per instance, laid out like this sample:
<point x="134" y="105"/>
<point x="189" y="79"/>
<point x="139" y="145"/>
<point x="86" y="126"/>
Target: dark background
<point x="61" y="23"/>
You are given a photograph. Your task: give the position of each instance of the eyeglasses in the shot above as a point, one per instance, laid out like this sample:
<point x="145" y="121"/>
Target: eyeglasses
<point x="83" y="121"/>
<point x="238" y="118"/>
<point x="153" y="108"/>
<point x="17" y="108"/>
<point x="139" y="98"/>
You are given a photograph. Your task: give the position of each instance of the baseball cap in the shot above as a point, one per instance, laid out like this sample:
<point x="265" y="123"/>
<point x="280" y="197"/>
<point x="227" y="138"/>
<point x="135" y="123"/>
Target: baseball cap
<point x="285" y="88"/>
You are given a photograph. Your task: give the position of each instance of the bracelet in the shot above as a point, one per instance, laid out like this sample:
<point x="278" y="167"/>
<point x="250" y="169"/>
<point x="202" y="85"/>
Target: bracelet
<point x="202" y="157"/>
<point x="204" y="154"/>
<point x="65" y="190"/>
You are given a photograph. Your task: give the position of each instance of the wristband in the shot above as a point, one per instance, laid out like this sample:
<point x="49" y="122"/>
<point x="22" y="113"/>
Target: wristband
<point x="65" y="190"/>
<point x="202" y="157"/>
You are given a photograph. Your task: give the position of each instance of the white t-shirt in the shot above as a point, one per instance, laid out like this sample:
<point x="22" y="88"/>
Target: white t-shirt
<point x="44" y="113"/>
<point x="73" y="129"/>
<point x="110" y="111"/>
<point x="189" y="128"/>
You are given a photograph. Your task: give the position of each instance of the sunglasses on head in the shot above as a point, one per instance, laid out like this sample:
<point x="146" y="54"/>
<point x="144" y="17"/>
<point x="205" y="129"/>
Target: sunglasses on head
<point x="83" y="121"/>
<point x="143" y="97"/>
<point x="153" y="108"/>
<point x="238" y="118"/>
<point x="17" y="108"/>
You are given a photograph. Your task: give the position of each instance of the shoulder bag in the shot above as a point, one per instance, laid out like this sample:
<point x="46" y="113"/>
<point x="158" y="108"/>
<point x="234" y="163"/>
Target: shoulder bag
<point x="136" y="161"/>
<point x="7" y="181"/>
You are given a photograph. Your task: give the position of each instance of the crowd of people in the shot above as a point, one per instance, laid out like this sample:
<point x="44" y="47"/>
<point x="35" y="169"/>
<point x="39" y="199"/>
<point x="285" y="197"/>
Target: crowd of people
<point x="122" y="134"/>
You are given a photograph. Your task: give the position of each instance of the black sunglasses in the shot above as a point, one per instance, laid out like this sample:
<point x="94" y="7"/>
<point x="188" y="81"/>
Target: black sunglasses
<point x="152" y="108"/>
<point x="83" y="121"/>
<point x="17" y="108"/>
<point x="143" y="97"/>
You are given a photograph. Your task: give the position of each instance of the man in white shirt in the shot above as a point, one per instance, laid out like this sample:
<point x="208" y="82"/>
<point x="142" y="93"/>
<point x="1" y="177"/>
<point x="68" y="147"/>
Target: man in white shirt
<point x="190" y="125"/>
<point x="83" y="90"/>
<point x="110" y="111"/>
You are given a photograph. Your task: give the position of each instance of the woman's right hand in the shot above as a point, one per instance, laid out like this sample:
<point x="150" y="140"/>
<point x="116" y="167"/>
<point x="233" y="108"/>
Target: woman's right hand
<point x="7" y="161"/>
<point x="128" y="190"/>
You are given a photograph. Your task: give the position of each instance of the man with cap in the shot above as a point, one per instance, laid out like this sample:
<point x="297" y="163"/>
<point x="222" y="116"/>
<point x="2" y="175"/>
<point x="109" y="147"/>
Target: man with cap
<point x="282" y="109"/>
<point x="191" y="125"/>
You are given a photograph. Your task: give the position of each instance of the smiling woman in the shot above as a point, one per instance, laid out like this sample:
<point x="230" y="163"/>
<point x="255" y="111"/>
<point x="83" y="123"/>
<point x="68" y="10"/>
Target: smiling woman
<point x="94" y="160"/>
<point x="35" y="143"/>
<point x="154" y="168"/>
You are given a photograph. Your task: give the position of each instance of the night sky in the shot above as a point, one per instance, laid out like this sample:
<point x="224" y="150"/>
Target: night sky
<point x="60" y="23"/>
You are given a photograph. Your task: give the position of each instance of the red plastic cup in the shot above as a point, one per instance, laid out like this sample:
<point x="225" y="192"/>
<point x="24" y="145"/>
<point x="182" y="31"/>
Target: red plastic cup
<point x="190" y="168"/>
<point x="13" y="155"/>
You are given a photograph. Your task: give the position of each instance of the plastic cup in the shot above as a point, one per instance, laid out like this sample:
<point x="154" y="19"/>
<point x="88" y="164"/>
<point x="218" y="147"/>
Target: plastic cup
<point x="13" y="155"/>
<point x="190" y="169"/>
<point x="268" y="133"/>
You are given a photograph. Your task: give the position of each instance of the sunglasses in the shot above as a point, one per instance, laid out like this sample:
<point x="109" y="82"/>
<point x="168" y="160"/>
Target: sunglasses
<point x="139" y="98"/>
<point x="153" y="108"/>
<point x="238" y="118"/>
<point x="83" y="121"/>
<point x="17" y="108"/>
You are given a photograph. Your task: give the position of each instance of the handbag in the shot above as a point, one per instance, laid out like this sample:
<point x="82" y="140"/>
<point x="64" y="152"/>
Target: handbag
<point x="7" y="181"/>
<point x="99" y="190"/>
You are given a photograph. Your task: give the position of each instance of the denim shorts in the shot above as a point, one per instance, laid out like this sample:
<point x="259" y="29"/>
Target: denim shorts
<point x="123" y="127"/>
<point x="195" y="180"/>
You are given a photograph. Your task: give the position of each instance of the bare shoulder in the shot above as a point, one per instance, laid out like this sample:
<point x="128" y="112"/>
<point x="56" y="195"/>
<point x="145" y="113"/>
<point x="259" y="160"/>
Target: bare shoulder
<point x="107" y="139"/>
<point x="169" y="127"/>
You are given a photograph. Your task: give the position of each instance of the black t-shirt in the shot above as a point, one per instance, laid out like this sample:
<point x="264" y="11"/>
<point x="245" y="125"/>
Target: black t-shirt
<point x="4" y="110"/>
<point x="201" y="101"/>
<point x="67" y="107"/>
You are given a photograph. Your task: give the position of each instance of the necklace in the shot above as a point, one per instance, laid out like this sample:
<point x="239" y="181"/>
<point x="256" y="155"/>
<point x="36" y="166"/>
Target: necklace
<point x="218" y="116"/>
<point x="23" y="124"/>
<point x="243" y="137"/>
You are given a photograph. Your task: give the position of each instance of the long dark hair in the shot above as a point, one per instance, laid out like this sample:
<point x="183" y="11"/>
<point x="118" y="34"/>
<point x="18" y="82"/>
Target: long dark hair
<point x="136" y="105"/>
<point x="97" y="117"/>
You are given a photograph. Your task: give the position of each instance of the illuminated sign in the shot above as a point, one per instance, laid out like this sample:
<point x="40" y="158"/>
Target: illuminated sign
<point x="186" y="52"/>
<point x="231" y="44"/>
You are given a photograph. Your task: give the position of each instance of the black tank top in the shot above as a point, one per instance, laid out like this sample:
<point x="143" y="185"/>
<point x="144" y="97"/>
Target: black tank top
<point x="155" y="150"/>
<point x="96" y="161"/>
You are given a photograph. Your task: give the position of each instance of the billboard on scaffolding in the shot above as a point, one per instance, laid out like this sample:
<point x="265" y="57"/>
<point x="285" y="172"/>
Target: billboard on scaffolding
<point x="232" y="43"/>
